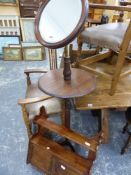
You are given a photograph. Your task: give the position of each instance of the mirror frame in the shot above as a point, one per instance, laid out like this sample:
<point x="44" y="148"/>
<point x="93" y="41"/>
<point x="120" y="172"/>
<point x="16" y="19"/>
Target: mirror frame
<point x="71" y="36"/>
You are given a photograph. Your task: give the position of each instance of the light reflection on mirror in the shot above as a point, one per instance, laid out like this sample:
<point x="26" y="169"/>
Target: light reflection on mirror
<point x="59" y="19"/>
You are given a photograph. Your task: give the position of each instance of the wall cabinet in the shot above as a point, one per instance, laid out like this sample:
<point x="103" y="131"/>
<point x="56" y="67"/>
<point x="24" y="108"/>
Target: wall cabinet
<point x="29" y="8"/>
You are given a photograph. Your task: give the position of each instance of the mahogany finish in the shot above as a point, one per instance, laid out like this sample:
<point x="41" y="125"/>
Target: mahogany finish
<point x="69" y="38"/>
<point x="45" y="154"/>
<point x="69" y="134"/>
<point x="51" y="158"/>
<point x="81" y="83"/>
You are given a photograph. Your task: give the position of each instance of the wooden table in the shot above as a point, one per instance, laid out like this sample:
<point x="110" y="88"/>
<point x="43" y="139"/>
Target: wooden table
<point x="53" y="83"/>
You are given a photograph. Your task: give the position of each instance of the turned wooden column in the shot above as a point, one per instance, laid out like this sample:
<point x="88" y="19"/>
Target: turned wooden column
<point x="67" y="69"/>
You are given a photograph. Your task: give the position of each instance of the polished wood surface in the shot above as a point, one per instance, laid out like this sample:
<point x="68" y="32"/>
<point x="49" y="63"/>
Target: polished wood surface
<point x="100" y="97"/>
<point x="52" y="158"/>
<point x="86" y="142"/>
<point x="109" y="7"/>
<point x="33" y="70"/>
<point x="81" y="83"/>
<point x="33" y="100"/>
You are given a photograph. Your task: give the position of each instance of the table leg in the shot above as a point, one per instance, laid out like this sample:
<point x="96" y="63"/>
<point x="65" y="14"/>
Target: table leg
<point x="67" y="107"/>
<point x="105" y="125"/>
<point x="66" y="122"/>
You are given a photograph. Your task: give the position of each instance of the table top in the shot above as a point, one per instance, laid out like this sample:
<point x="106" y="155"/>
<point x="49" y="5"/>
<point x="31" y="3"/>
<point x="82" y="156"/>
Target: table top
<point x="53" y="83"/>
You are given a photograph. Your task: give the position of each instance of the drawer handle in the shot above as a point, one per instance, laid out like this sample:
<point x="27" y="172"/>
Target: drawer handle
<point x="35" y="12"/>
<point x="48" y="148"/>
<point x="63" y="167"/>
<point x="88" y="144"/>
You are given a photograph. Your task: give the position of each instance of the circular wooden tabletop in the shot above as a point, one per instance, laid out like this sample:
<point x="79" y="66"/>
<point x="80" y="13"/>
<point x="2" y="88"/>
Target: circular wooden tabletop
<point x="53" y="83"/>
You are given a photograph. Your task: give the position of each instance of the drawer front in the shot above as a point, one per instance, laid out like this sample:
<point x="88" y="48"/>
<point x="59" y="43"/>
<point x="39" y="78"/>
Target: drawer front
<point x="61" y="168"/>
<point x="25" y="12"/>
<point x="40" y="157"/>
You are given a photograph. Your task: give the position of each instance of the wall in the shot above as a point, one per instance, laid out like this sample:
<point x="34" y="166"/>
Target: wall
<point x="129" y="15"/>
<point x="9" y="10"/>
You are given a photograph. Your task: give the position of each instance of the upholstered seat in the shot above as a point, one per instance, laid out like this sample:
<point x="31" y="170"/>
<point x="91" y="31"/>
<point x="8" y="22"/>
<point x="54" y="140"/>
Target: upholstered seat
<point x="116" y="38"/>
<point x="107" y="35"/>
<point x="52" y="105"/>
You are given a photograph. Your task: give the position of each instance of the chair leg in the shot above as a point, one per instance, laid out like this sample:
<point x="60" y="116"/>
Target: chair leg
<point x="116" y="75"/>
<point x="103" y="124"/>
<point x="26" y="121"/>
<point x="126" y="145"/>
<point x="125" y="128"/>
<point x="79" y="43"/>
<point x="121" y="60"/>
<point x="97" y="113"/>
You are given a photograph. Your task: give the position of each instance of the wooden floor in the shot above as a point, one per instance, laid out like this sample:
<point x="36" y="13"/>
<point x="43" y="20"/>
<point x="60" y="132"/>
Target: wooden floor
<point x="100" y="97"/>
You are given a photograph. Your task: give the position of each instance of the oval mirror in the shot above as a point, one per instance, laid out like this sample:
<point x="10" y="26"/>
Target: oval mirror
<point x="58" y="22"/>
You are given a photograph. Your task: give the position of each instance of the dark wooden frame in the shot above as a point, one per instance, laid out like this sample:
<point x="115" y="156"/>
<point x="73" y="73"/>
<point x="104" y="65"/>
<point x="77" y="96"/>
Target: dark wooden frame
<point x="70" y="37"/>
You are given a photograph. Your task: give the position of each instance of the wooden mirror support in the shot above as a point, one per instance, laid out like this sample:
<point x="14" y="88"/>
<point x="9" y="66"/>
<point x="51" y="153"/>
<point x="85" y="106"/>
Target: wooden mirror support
<point x="69" y="35"/>
<point x="53" y="32"/>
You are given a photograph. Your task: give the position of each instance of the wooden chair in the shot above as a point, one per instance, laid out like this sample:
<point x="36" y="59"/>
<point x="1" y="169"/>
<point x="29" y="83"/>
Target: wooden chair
<point x="127" y="130"/>
<point x="35" y="99"/>
<point x="100" y="98"/>
<point x="114" y="36"/>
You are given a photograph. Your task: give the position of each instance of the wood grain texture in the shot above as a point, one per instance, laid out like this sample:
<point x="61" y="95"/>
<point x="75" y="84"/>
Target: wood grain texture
<point x="33" y="100"/>
<point x="52" y="158"/>
<point x="110" y="7"/>
<point x="100" y="97"/>
<point x="27" y="71"/>
<point x="86" y="142"/>
<point x="53" y="83"/>
<point x="121" y="59"/>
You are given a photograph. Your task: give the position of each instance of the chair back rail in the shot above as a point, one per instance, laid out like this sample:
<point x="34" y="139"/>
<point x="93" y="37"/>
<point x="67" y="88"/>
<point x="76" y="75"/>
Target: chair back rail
<point x="119" y="8"/>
